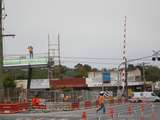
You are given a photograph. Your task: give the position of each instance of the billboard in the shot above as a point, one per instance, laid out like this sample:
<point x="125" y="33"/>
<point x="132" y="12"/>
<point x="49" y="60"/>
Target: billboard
<point x="106" y="76"/>
<point x="21" y="84"/>
<point x="35" y="84"/>
<point x="40" y="84"/>
<point x="25" y="61"/>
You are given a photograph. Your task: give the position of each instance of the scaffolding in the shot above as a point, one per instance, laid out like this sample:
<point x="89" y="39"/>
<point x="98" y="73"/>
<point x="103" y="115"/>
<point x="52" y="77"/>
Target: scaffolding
<point x="53" y="55"/>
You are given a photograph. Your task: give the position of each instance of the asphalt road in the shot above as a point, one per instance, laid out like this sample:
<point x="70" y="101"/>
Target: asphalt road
<point x="120" y="112"/>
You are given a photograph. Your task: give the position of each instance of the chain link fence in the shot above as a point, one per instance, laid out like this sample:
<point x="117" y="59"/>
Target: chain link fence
<point x="14" y="95"/>
<point x="10" y="95"/>
<point x="63" y="96"/>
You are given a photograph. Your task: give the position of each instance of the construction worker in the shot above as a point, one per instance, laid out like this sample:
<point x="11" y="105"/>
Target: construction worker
<point x="101" y="100"/>
<point x="30" y="50"/>
<point x="35" y="101"/>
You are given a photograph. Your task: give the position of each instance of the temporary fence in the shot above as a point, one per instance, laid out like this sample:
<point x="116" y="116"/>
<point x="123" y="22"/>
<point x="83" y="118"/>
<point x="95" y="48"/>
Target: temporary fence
<point x="128" y="111"/>
<point x="11" y="95"/>
<point x="63" y="96"/>
<point x="57" y="100"/>
<point x="10" y="108"/>
<point x="52" y="100"/>
<point x="66" y="100"/>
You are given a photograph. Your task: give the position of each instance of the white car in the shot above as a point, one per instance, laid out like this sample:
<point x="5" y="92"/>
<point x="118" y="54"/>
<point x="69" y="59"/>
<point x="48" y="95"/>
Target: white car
<point x="144" y="96"/>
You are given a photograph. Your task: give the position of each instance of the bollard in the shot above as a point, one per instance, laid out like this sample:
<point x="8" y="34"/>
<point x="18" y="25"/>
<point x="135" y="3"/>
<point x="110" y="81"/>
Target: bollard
<point x="153" y="117"/>
<point x="87" y="104"/>
<point x="142" y="107"/>
<point x="130" y="110"/>
<point x="110" y="112"/>
<point x="142" y="110"/>
<point x="142" y="118"/>
<point x="84" y="116"/>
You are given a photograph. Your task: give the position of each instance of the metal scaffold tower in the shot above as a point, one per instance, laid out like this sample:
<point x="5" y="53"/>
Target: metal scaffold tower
<point x="53" y="55"/>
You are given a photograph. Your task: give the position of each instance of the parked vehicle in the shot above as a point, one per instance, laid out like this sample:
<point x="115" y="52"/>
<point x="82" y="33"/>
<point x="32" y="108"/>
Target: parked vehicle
<point x="144" y="96"/>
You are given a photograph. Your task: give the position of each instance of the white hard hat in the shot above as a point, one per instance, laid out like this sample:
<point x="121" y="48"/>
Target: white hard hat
<point x="101" y="92"/>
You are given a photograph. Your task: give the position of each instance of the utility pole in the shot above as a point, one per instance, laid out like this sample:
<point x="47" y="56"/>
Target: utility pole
<point x="126" y="80"/>
<point x="125" y="60"/>
<point x="59" y="57"/>
<point x="1" y="45"/>
<point x="144" y="80"/>
<point x="50" y="59"/>
<point x="2" y="17"/>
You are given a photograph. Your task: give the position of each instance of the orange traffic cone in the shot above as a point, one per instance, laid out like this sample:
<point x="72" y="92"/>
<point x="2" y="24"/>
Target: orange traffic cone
<point x="142" y="118"/>
<point x="84" y="116"/>
<point x="130" y="110"/>
<point x="142" y="107"/>
<point x="153" y="113"/>
<point x="110" y="112"/>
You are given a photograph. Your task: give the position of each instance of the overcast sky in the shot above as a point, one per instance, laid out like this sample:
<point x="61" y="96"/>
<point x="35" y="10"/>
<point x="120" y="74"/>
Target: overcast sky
<point x="88" y="28"/>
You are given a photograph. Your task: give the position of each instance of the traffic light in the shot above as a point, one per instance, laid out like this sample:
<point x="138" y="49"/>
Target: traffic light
<point x="153" y="59"/>
<point x="156" y="55"/>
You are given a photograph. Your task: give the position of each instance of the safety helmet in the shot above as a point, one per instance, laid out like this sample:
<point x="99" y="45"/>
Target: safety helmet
<point x="101" y="93"/>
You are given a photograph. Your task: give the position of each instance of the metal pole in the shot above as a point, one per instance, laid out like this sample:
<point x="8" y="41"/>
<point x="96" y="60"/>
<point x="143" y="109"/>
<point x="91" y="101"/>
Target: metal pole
<point x="49" y="59"/>
<point x="144" y="80"/>
<point x="126" y="80"/>
<point x="59" y="62"/>
<point x="29" y="76"/>
<point x="1" y="46"/>
<point x="29" y="70"/>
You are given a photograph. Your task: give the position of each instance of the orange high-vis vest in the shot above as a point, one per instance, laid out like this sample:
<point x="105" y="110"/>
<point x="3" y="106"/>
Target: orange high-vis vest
<point x="35" y="101"/>
<point x="101" y="100"/>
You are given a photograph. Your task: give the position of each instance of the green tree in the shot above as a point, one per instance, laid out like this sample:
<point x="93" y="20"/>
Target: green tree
<point x="59" y="71"/>
<point x="9" y="85"/>
<point x="9" y="82"/>
<point x="82" y="70"/>
<point x="152" y="73"/>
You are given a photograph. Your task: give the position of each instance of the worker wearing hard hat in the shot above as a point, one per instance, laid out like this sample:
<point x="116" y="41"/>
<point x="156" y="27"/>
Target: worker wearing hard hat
<point x="101" y="100"/>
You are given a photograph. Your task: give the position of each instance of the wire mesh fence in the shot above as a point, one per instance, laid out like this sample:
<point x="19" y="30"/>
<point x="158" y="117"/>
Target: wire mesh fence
<point x="63" y="96"/>
<point x="14" y="95"/>
<point x="10" y="95"/>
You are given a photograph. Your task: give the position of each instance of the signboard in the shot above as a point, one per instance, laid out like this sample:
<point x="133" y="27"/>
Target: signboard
<point x="94" y="79"/>
<point x="23" y="61"/>
<point x="21" y="84"/>
<point x="40" y="84"/>
<point x="106" y="77"/>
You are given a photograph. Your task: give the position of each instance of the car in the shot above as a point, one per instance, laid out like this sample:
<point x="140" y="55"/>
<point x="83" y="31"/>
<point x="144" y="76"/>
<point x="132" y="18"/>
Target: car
<point x="144" y="96"/>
